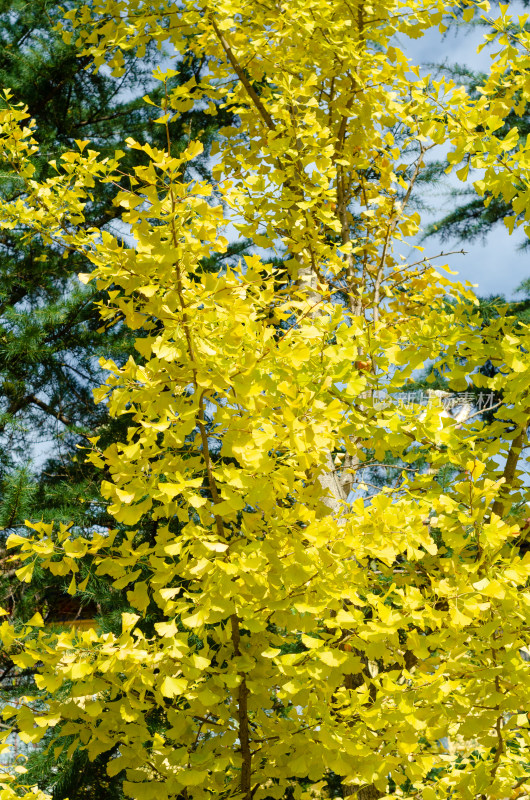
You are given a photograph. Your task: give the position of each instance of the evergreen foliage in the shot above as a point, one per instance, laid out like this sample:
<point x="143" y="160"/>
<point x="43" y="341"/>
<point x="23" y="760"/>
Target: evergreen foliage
<point x="472" y="218"/>
<point x="51" y="337"/>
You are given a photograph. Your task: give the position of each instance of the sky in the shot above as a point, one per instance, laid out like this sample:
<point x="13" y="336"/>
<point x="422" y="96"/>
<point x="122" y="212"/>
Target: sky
<point x="496" y="265"/>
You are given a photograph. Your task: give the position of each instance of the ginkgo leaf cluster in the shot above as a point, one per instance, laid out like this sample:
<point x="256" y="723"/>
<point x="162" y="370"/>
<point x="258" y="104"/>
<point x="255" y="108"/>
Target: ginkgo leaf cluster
<point x="302" y="632"/>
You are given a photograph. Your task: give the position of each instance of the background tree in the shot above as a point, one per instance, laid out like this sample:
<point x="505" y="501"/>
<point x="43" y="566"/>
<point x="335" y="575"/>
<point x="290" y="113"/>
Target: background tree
<point x="51" y="338"/>
<point x="50" y="345"/>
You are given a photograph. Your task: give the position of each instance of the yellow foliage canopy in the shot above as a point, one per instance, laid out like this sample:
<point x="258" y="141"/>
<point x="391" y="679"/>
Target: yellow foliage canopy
<point x="303" y="631"/>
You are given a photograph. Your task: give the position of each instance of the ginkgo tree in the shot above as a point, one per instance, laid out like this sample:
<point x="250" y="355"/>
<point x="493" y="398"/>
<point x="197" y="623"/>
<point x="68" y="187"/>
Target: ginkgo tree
<point x="307" y="641"/>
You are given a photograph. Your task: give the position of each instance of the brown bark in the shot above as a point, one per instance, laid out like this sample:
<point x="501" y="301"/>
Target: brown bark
<point x="242" y="715"/>
<point x="499" y="506"/>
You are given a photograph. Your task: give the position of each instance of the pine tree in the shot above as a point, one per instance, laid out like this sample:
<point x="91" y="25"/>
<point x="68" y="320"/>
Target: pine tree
<point x="49" y="340"/>
<point x="472" y="218"/>
<point x="51" y="337"/>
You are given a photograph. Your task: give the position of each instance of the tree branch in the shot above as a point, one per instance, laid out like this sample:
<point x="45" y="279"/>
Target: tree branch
<point x="33" y="400"/>
<point x="510" y="468"/>
<point x="262" y="111"/>
<point x="242" y="714"/>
